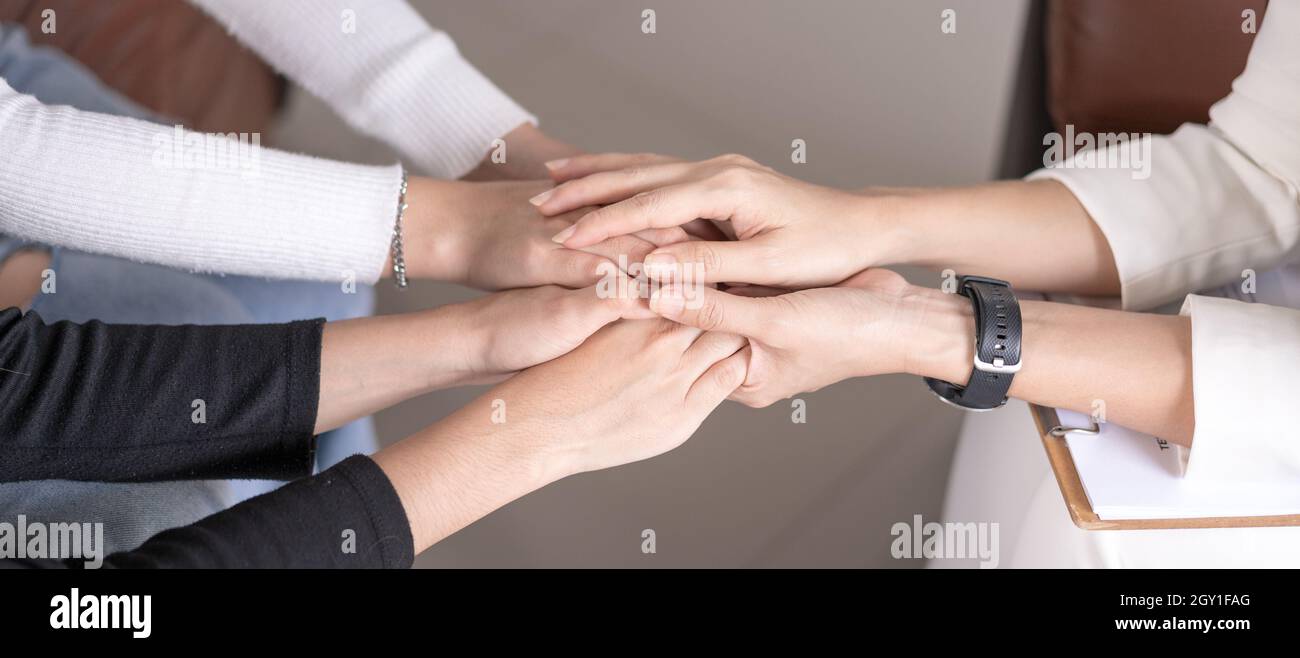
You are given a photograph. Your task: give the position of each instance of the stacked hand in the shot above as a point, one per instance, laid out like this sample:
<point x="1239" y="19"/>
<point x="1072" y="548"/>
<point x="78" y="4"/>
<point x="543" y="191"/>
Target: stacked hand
<point x="801" y="289"/>
<point x="805" y="339"/>
<point x="638" y="387"/>
<point x="631" y="391"/>
<point x="768" y="287"/>
<point x="794" y="257"/>
<point x="788" y="233"/>
<point x="486" y="235"/>
<point x="513" y="330"/>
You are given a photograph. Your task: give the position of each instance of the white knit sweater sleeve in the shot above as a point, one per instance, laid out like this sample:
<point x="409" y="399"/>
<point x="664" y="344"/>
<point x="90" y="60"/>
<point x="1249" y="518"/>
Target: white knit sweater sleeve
<point x="156" y="194"/>
<point x="384" y="70"/>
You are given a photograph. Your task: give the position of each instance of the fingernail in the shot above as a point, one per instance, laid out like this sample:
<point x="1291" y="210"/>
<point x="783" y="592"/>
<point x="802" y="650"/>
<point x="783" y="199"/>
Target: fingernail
<point x="668" y="302"/>
<point x="565" y="234"/>
<point x="556" y="164"/>
<point x="541" y="198"/>
<point x="659" y="265"/>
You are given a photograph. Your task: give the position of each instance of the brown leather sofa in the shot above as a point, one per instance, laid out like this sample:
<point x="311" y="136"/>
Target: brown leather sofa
<point x="165" y="55"/>
<point x="1122" y="66"/>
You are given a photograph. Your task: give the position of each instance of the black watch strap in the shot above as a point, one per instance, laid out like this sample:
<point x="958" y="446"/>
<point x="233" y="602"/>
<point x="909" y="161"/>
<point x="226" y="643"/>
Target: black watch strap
<point x="997" y="346"/>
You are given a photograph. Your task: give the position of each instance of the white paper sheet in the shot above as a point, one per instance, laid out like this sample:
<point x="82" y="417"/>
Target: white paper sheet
<point x="1128" y="475"/>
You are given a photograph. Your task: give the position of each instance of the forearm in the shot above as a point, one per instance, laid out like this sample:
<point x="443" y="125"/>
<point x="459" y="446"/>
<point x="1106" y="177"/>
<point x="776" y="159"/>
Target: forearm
<point x="461" y="469"/>
<point x="369" y="364"/>
<point x="1033" y="234"/>
<point x="1138" y="365"/>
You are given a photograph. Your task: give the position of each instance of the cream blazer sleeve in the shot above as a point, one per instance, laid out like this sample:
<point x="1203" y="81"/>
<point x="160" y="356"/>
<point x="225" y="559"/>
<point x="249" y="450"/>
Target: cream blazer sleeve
<point x="1221" y="199"/>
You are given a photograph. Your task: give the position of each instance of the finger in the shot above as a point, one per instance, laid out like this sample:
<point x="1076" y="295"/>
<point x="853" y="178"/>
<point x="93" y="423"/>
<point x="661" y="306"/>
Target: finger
<point x="616" y="298"/>
<point x="712" y="310"/>
<point x="719" y="381"/>
<point x="662" y="237"/>
<point x="673" y="205"/>
<point x="585" y="165"/>
<point x="759" y="390"/>
<point x="709" y="348"/>
<point x="874" y="277"/>
<point x="575" y="269"/>
<point x="707" y="262"/>
<point x="605" y="187"/>
<point x="750" y="397"/>
<point x="622" y="250"/>
<point x="675" y="337"/>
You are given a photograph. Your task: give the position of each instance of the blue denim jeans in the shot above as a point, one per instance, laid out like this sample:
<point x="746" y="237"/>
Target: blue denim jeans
<point x="89" y="286"/>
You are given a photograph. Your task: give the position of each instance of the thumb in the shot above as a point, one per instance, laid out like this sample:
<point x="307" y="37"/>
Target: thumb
<point x="712" y="310"/>
<point x="720" y="380"/>
<point x="706" y="262"/>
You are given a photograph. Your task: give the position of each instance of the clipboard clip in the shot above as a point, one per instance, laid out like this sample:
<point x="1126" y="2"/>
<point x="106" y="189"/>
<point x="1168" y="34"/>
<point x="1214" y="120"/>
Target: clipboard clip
<point x="1061" y="430"/>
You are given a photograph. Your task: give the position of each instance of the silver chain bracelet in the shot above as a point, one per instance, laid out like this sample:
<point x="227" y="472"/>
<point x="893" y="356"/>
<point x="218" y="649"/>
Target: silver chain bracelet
<point x="399" y="258"/>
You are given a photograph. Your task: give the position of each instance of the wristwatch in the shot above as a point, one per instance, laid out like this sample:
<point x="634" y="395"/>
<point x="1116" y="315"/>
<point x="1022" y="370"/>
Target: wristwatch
<point x="997" y="346"/>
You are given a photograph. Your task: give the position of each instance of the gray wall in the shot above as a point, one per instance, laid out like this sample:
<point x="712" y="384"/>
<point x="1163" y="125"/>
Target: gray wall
<point x="881" y="97"/>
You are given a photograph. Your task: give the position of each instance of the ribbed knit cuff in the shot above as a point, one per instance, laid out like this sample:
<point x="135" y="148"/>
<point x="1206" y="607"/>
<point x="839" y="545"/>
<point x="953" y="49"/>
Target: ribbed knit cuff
<point x="435" y="107"/>
<point x="385" y="70"/>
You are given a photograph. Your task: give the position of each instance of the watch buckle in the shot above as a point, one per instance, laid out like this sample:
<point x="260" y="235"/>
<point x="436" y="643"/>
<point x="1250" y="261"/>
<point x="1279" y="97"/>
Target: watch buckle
<point x="999" y="365"/>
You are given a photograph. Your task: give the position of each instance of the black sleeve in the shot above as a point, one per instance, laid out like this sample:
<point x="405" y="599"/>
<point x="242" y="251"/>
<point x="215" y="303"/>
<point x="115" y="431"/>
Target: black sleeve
<point x="133" y="403"/>
<point x="348" y="516"/>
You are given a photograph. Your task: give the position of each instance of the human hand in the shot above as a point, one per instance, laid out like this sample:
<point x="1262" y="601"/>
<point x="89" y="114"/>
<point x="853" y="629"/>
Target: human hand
<point x="569" y="168"/>
<point x="486" y="235"/>
<point x="516" y="329"/>
<point x="633" y="390"/>
<point x="527" y="149"/>
<point x="870" y="324"/>
<point x="372" y="363"/>
<point x="789" y="233"/>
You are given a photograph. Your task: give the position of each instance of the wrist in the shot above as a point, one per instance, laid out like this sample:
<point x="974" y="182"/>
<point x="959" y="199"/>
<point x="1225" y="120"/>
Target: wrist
<point x="426" y="351"/>
<point x="368" y="364"/>
<point x="474" y="342"/>
<point x="897" y="219"/>
<point x="457" y="471"/>
<point x="940" y="336"/>
<point x="434" y="230"/>
<point x="462" y="341"/>
<point x="499" y="432"/>
<point x="527" y="150"/>
<point x="882" y="228"/>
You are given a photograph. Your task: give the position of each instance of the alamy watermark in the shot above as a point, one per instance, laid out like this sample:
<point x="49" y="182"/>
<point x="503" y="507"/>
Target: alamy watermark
<point x="935" y="541"/>
<point x="1131" y="151"/>
<point x="618" y="280"/>
<point x="37" y="540"/>
<point x="103" y="611"/>
<point x="181" y="149"/>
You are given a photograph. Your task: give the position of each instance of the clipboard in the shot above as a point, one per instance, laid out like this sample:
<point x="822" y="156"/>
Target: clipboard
<point x="1076" y="500"/>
